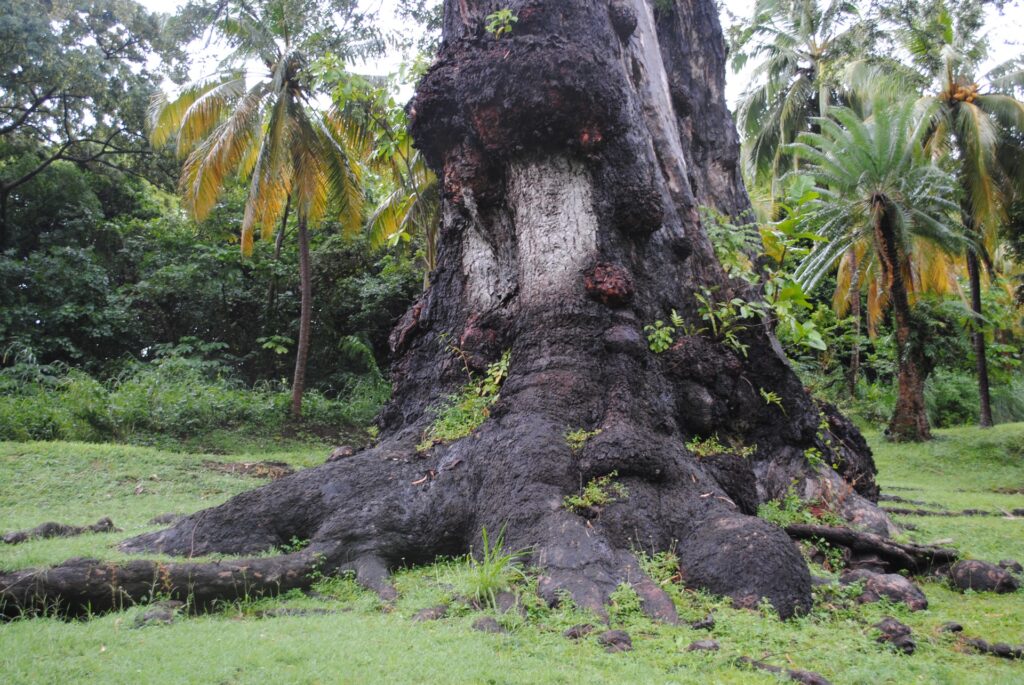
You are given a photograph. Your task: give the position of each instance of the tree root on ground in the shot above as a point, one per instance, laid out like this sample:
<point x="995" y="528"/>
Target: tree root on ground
<point x="82" y="587"/>
<point x="870" y="550"/>
<point x="59" y="530"/>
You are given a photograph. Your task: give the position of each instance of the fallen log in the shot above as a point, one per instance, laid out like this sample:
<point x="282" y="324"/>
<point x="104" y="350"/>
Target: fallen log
<point x="52" y="529"/>
<point x="890" y="555"/>
<point x="80" y="587"/>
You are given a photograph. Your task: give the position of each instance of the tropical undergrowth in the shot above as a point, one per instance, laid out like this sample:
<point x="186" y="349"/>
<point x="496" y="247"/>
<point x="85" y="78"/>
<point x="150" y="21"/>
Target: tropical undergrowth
<point x="174" y="397"/>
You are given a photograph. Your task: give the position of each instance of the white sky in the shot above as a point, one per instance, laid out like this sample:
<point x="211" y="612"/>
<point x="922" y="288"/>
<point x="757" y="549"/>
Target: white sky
<point x="1005" y="33"/>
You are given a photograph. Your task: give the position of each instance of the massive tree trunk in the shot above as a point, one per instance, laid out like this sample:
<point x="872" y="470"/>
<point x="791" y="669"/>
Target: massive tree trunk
<point x="574" y="154"/>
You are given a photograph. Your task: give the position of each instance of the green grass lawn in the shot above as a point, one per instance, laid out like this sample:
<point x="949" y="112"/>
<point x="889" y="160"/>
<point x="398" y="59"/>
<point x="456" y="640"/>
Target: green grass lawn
<point x="361" y="641"/>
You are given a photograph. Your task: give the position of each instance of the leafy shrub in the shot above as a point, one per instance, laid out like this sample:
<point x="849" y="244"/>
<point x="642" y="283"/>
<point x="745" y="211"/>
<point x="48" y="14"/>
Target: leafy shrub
<point x="174" y="396"/>
<point x="1008" y="402"/>
<point x="951" y="398"/>
<point x="624" y="605"/>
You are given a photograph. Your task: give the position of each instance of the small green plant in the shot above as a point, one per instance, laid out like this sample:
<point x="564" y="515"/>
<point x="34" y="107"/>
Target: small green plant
<point x="598" y="492"/>
<point x="578" y="438"/>
<point x="661" y="567"/>
<point x="709" y="447"/>
<point x="465" y="411"/>
<point x="814" y="455"/>
<point x="772" y="398"/>
<point x="815" y="459"/>
<point x="495" y="571"/>
<point x="791" y="509"/>
<point x="785" y="511"/>
<point x="726" y="319"/>
<point x="296" y="544"/>
<point x="833" y="556"/>
<point x="659" y="336"/>
<point x="624" y="604"/>
<point x="501" y="22"/>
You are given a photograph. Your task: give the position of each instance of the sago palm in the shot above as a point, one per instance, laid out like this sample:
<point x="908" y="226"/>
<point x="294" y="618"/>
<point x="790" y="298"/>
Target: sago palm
<point x="877" y="189"/>
<point x="974" y="117"/>
<point x="268" y="134"/>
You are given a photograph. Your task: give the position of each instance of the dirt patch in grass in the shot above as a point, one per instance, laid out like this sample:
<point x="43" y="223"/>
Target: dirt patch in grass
<point x="258" y="469"/>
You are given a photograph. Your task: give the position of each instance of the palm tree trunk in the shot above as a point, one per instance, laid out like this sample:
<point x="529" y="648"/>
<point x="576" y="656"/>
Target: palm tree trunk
<point x="978" y="340"/>
<point x="305" y="315"/>
<point x="855" y="313"/>
<point x="909" y="419"/>
<point x="278" y="244"/>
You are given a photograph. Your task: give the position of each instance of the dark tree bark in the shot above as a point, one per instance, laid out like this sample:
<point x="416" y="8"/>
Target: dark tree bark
<point x="856" y="315"/>
<point x="574" y="155"/>
<point x="305" y="317"/>
<point x="909" y="418"/>
<point x="978" y="341"/>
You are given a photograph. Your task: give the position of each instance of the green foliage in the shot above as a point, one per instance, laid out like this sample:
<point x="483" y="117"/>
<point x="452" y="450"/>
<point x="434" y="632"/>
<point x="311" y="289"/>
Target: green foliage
<point x="709" y="447"/>
<point x="726" y="319"/>
<point x="493" y="570"/>
<point x="660" y="335"/>
<point x="791" y="509"/>
<point x="800" y="49"/>
<point x="178" y="395"/>
<point x="784" y="304"/>
<point x="815" y="458"/>
<point x="464" y="412"/>
<point x="501" y="22"/>
<point x="661" y="567"/>
<point x="74" y="83"/>
<point x="296" y="544"/>
<point x="772" y="399"/>
<point x="624" y="605"/>
<point x="578" y="438"/>
<point x="598" y="492"/>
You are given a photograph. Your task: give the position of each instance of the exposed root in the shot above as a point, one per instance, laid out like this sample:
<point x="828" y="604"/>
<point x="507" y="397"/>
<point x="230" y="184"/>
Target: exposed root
<point x="59" y="530"/>
<point x="80" y="587"/>
<point x="870" y="550"/>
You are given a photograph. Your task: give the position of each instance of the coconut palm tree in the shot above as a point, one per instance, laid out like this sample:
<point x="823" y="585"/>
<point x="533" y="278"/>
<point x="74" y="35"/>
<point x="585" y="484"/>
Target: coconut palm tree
<point x="877" y="191"/>
<point x="377" y="126"/>
<point x="801" y="46"/>
<point x="268" y="134"/>
<point x="974" y="117"/>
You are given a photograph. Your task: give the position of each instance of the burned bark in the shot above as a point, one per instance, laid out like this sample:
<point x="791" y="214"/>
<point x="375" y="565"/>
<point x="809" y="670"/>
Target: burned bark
<point x="574" y="154"/>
